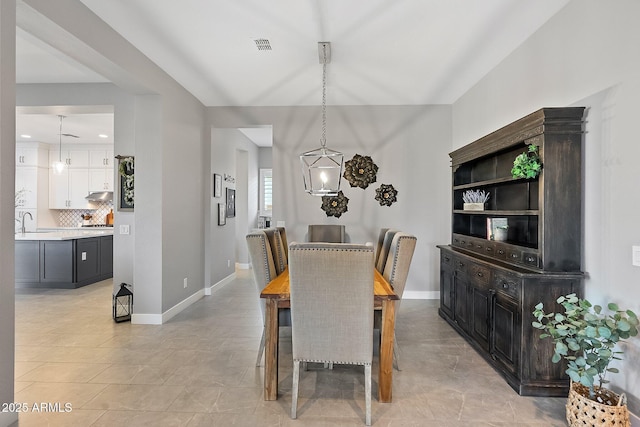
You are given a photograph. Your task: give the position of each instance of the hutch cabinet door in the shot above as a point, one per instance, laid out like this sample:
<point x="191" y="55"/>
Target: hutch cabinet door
<point x="505" y="343"/>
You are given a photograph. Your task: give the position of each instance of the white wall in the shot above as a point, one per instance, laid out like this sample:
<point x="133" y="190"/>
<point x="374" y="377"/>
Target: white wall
<point x="585" y="55"/>
<point x="410" y="145"/>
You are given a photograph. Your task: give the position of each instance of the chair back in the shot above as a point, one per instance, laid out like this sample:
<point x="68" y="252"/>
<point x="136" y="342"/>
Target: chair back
<point x="261" y="258"/>
<point x="331" y="302"/>
<point x="383" y="231"/>
<point x="331" y="233"/>
<point x="383" y="253"/>
<point x="277" y="249"/>
<point x="283" y="237"/>
<point x="398" y="262"/>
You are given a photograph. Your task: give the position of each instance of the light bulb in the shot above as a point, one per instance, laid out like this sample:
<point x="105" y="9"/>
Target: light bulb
<point x="58" y="167"/>
<point x="323" y="177"/>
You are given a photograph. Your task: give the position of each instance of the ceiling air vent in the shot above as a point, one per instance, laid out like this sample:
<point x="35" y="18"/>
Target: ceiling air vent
<point x="262" y="44"/>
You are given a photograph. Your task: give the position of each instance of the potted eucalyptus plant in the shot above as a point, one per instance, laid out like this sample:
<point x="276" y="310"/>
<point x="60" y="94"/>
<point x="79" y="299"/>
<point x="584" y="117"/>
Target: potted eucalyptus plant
<point x="586" y="337"/>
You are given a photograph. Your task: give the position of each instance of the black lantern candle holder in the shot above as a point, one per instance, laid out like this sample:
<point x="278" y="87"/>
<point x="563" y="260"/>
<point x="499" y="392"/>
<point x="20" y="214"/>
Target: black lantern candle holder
<point x="123" y="304"/>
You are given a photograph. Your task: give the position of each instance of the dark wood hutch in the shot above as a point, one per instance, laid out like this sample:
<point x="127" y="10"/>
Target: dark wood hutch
<point x="488" y="289"/>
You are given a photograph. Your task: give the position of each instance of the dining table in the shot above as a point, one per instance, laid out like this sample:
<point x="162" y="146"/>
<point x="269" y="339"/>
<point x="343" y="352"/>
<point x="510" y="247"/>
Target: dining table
<point x="276" y="295"/>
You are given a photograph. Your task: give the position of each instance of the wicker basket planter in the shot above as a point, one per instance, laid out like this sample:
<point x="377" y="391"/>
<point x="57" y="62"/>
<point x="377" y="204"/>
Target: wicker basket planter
<point x="608" y="410"/>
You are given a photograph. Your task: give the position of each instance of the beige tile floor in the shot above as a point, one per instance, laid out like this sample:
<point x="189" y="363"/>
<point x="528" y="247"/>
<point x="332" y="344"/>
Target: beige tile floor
<point x="198" y="370"/>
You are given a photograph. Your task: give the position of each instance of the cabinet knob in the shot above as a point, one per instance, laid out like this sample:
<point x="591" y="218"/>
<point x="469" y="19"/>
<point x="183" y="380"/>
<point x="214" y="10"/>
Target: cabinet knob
<point x="460" y="264"/>
<point x="505" y="285"/>
<point x="479" y="273"/>
<point x="530" y="259"/>
<point x="446" y="258"/>
<point x="501" y="252"/>
<point x="514" y="255"/>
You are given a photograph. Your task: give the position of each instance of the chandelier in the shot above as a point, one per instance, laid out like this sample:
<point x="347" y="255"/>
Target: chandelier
<point x="322" y="167"/>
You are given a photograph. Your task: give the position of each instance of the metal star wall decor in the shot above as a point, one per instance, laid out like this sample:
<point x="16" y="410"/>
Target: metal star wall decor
<point x="335" y="205"/>
<point x="386" y="195"/>
<point x="360" y="171"/>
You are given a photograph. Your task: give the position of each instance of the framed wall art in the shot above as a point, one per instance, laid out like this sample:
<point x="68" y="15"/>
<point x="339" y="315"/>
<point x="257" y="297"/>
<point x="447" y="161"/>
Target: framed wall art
<point x="125" y="183"/>
<point x="231" y="203"/>
<point x="222" y="215"/>
<point x="217" y="185"/>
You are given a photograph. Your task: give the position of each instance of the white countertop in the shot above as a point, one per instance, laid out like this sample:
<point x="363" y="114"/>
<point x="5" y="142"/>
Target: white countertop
<point x="64" y="235"/>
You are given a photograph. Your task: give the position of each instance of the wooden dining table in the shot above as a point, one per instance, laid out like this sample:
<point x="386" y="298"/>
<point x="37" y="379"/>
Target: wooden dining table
<point x="276" y="294"/>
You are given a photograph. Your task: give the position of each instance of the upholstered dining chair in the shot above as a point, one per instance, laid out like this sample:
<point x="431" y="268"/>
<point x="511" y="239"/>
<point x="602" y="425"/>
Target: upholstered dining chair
<point x="262" y="255"/>
<point x="383" y="253"/>
<point x="331" y="233"/>
<point x="396" y="271"/>
<point x="283" y="237"/>
<point x="381" y="234"/>
<point x="331" y="287"/>
<point x="277" y="248"/>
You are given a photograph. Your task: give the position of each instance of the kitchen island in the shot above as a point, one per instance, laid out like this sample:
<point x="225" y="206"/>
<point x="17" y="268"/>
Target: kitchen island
<point x="63" y="259"/>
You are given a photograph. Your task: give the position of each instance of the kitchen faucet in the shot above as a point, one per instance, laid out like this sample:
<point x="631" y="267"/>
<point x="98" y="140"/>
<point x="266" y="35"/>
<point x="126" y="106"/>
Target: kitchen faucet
<point x="23" y="216"/>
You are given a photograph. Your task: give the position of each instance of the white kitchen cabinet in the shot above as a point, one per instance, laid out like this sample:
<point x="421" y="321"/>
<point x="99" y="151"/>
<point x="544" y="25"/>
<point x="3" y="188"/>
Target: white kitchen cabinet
<point x="101" y="159"/>
<point x="100" y="179"/>
<point x="69" y="189"/>
<point x="31" y="154"/>
<point x="73" y="158"/>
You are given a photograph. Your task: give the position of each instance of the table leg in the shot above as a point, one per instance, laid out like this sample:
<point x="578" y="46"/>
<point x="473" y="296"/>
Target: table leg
<point x="385" y="376"/>
<point x="271" y="350"/>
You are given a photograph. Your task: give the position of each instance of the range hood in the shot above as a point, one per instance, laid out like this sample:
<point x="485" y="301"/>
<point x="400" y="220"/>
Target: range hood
<point x="100" y="196"/>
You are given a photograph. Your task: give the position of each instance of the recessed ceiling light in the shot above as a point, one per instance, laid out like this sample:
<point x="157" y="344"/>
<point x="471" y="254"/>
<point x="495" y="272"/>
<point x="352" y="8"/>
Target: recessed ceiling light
<point x="25" y="136"/>
<point x="102" y="135"/>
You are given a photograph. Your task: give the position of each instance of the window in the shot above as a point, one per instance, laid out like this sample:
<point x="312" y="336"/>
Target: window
<point x="265" y="192"/>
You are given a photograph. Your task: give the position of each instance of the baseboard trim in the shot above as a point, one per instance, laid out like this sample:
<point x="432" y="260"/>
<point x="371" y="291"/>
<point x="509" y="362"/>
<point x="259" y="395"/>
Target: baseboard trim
<point x="146" y="319"/>
<point x="243" y="266"/>
<point x="159" y="319"/>
<point x="221" y="283"/>
<point x="421" y="295"/>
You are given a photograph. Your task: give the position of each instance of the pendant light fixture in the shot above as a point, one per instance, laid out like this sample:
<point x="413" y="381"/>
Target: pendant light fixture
<point x="322" y="167"/>
<point x="59" y="166"/>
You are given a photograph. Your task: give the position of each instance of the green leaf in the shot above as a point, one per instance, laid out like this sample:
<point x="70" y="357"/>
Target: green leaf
<point x="613" y="306"/>
<point x="575" y="377"/>
<point x="555" y="358"/>
<point x="604" y="332"/>
<point x="586" y="380"/>
<point x="561" y="348"/>
<point x="573" y="345"/>
<point x="623" y="325"/>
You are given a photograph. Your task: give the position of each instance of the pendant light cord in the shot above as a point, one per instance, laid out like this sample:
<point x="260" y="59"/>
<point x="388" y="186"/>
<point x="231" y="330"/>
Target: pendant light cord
<point x="323" y="138"/>
<point x="60" y="136"/>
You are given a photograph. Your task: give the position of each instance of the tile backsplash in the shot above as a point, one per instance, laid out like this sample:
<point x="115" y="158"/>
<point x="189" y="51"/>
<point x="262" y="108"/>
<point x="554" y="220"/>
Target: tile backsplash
<point x="73" y="217"/>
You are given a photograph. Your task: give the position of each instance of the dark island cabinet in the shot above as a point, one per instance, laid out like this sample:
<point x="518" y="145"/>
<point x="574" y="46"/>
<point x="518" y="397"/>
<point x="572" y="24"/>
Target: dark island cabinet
<point x="489" y="288"/>
<point x="63" y="263"/>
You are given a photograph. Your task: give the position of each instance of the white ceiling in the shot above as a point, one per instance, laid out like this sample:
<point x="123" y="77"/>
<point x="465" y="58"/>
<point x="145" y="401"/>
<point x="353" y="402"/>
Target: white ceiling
<point x="400" y="52"/>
